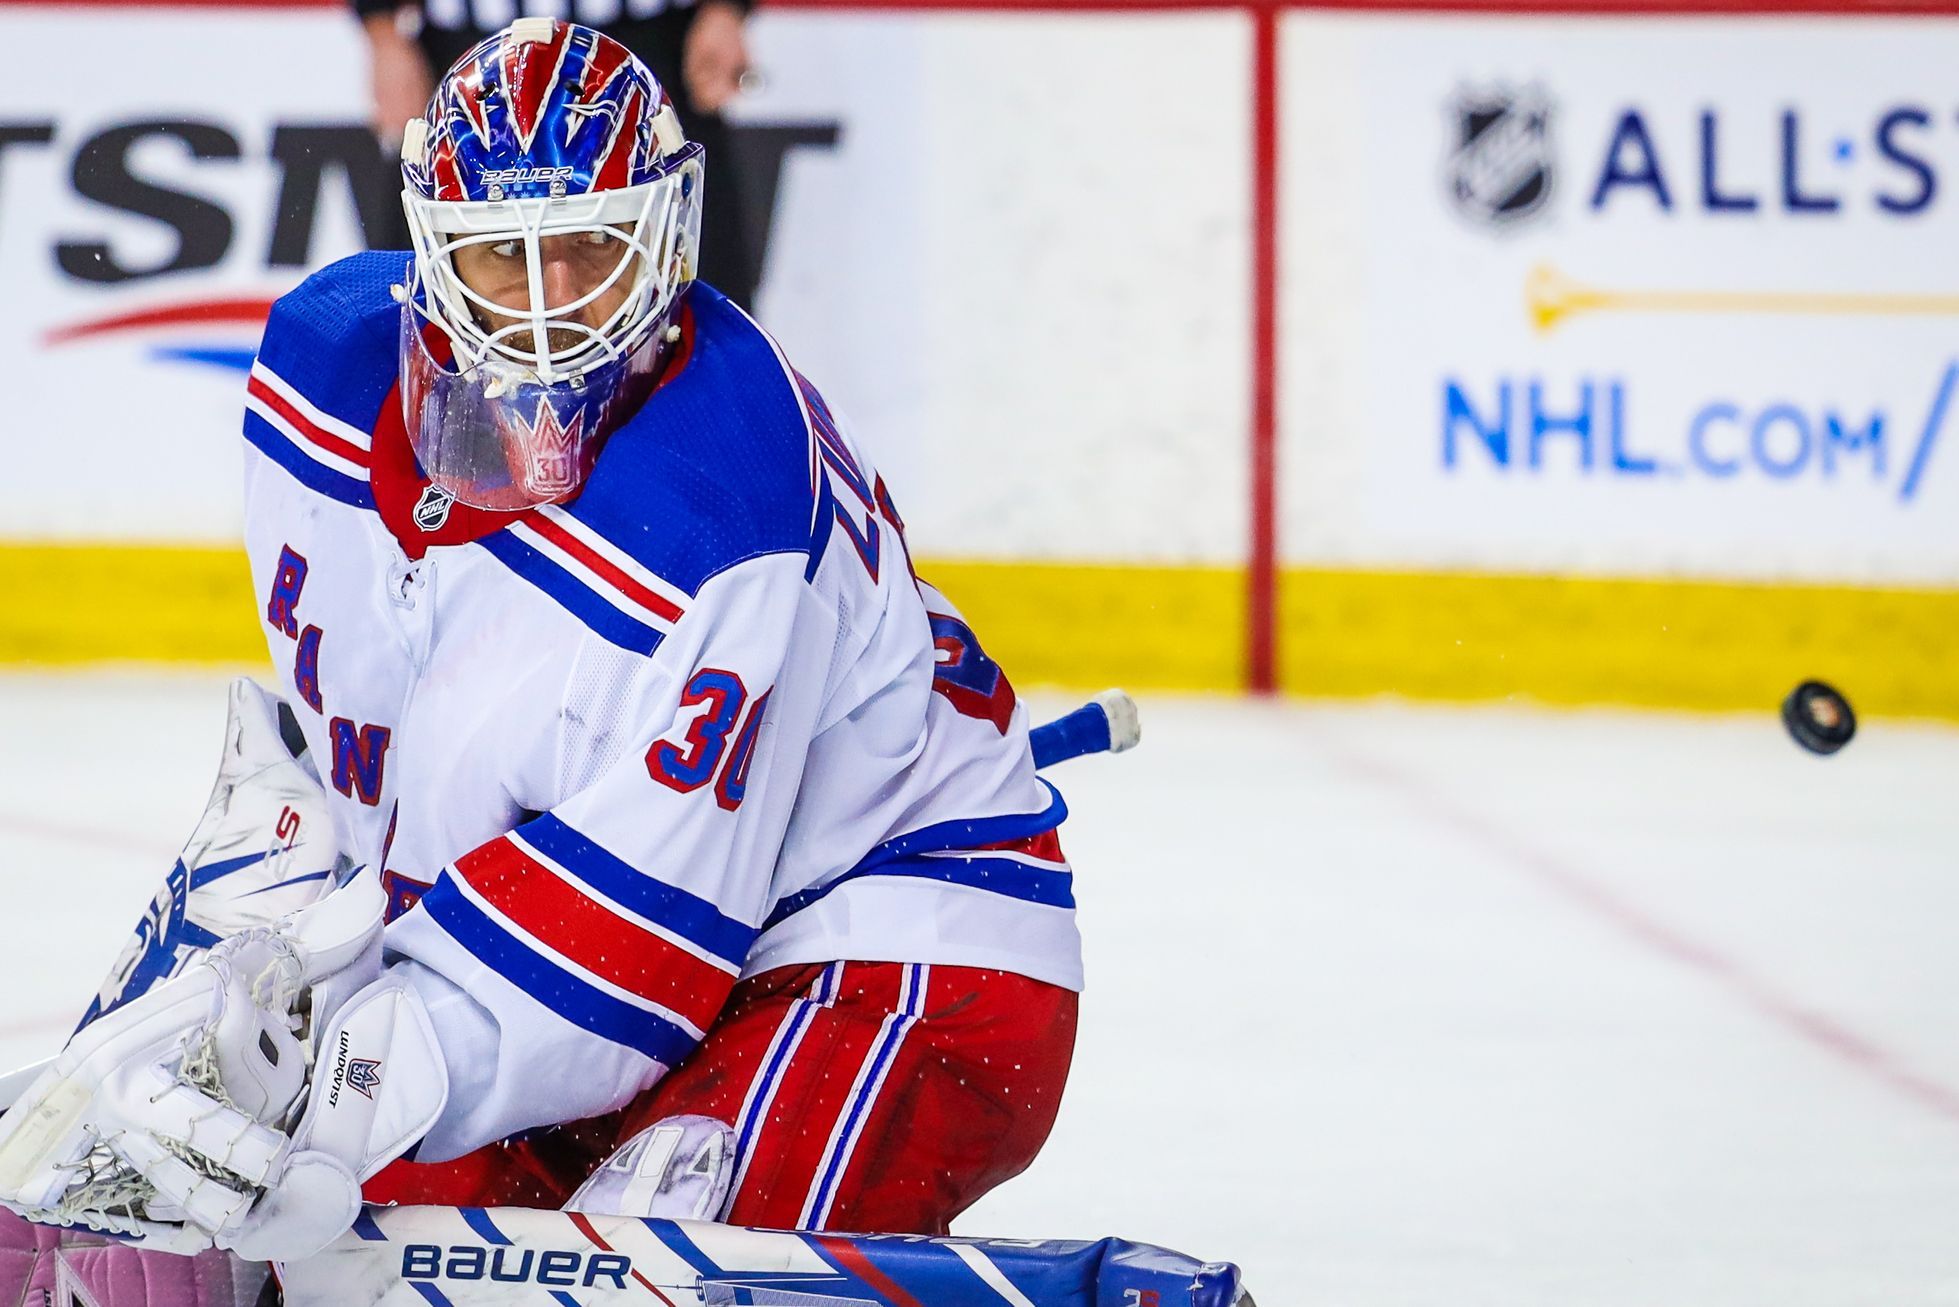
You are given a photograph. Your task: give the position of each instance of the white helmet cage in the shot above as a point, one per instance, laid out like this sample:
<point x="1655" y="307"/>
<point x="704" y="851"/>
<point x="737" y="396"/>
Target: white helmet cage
<point x="656" y="226"/>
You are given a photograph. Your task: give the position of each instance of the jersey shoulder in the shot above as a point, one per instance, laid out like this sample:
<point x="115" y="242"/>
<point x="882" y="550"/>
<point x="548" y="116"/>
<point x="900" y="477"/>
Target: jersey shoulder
<point x="335" y="336"/>
<point x="719" y="466"/>
<point x="325" y="365"/>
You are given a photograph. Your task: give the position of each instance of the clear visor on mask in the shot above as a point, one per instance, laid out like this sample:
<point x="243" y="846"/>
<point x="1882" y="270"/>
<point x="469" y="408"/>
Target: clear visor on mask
<point x="496" y="436"/>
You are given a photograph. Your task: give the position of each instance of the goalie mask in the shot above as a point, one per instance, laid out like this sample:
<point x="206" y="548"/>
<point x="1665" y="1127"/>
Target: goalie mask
<point x="554" y="206"/>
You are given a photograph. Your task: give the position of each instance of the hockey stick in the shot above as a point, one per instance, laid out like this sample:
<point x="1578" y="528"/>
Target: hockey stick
<point x="1108" y="723"/>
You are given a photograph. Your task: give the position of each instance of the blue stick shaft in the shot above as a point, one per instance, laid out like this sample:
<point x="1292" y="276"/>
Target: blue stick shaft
<point x="1085" y="730"/>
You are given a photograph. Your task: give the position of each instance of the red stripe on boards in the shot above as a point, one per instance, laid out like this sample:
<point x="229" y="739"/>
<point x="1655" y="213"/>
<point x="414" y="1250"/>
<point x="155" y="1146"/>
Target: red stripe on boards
<point x="235" y="312"/>
<point x="1262" y="572"/>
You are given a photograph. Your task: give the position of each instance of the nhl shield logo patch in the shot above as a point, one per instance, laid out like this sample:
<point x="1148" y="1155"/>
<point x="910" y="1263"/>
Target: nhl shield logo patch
<point x="364" y="1074"/>
<point x="432" y="509"/>
<point x="1500" y="167"/>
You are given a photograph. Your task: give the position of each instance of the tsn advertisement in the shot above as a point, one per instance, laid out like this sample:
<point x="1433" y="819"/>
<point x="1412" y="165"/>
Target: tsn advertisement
<point x="1662" y="297"/>
<point x="153" y="199"/>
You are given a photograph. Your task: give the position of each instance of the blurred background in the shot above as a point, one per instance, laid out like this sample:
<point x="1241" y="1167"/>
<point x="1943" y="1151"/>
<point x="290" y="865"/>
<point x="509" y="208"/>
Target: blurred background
<point x="1452" y="351"/>
<point x="1462" y="423"/>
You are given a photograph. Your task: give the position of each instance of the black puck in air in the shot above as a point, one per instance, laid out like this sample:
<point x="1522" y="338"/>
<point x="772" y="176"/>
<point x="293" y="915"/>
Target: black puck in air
<point x="1818" y="717"/>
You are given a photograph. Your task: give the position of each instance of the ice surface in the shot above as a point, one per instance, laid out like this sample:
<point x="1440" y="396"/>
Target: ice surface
<point x="1390" y="1004"/>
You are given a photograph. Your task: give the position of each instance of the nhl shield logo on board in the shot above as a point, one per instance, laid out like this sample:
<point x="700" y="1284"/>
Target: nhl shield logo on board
<point x="1499" y="162"/>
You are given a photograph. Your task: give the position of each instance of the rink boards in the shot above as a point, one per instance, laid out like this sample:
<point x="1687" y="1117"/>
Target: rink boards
<point x="1652" y="306"/>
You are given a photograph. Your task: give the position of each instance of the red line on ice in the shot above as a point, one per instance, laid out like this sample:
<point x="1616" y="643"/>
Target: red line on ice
<point x="1817" y="1029"/>
<point x="45" y="1024"/>
<point x="41" y="829"/>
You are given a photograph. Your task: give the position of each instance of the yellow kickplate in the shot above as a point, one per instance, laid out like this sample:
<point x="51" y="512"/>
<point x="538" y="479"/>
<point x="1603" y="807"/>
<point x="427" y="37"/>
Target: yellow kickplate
<point x="1341" y="632"/>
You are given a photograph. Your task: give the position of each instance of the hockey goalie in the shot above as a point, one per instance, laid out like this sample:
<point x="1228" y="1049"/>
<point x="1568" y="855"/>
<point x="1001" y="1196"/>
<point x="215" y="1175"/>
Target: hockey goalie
<point x="647" y="838"/>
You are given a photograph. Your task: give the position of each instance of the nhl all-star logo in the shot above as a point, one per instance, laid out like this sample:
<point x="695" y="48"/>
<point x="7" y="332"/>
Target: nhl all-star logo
<point x="1500" y="168"/>
<point x="364" y="1074"/>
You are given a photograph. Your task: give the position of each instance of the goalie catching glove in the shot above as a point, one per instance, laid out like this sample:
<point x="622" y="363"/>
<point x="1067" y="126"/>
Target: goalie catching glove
<point x="179" y="1116"/>
<point x="241" y="1104"/>
<point x="264" y="849"/>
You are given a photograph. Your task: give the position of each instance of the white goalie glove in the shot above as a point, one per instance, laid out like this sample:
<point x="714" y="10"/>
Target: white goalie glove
<point x="239" y="1105"/>
<point x="263" y="849"/>
<point x="196" y="1106"/>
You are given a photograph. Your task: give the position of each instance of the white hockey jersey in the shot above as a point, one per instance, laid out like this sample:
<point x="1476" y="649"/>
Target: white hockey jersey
<point x="699" y="722"/>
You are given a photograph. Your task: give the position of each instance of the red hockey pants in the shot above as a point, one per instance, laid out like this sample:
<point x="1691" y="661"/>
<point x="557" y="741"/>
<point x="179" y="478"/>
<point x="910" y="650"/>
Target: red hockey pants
<point x="864" y="1096"/>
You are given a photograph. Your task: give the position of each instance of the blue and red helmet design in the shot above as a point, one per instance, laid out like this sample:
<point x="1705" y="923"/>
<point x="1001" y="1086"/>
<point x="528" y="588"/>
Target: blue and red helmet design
<point x="546" y="133"/>
<point x="543" y="108"/>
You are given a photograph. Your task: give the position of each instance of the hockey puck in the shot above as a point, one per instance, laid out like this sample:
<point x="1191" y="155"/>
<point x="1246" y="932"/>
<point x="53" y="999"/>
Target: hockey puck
<point x="1818" y="717"/>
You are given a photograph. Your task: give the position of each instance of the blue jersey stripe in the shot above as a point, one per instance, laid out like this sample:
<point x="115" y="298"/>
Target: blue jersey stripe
<point x="970" y="833"/>
<point x="570" y="996"/>
<point x="687" y="915"/>
<point x="1004" y="876"/>
<point x="278" y="447"/>
<point x="901" y="857"/>
<point x="571" y="594"/>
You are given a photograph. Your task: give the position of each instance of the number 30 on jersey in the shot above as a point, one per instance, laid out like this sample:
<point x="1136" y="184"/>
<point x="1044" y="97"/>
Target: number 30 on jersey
<point x="711" y="711"/>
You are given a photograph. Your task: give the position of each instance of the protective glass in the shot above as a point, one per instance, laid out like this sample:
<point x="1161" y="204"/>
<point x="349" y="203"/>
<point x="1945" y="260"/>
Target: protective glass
<point x="497" y="436"/>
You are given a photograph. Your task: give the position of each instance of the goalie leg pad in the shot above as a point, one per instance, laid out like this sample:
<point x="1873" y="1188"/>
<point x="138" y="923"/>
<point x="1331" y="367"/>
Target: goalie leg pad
<point x="43" y="1267"/>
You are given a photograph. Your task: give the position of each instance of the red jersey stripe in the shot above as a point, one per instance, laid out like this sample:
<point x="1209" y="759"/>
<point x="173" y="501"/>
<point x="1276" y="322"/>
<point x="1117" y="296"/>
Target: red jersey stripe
<point x="304" y="426"/>
<point x="610" y="572"/>
<point x="580" y="928"/>
<point x="1046" y="846"/>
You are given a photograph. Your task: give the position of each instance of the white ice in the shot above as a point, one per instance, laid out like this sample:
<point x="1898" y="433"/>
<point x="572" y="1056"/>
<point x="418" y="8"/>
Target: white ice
<point x="1389" y="1004"/>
